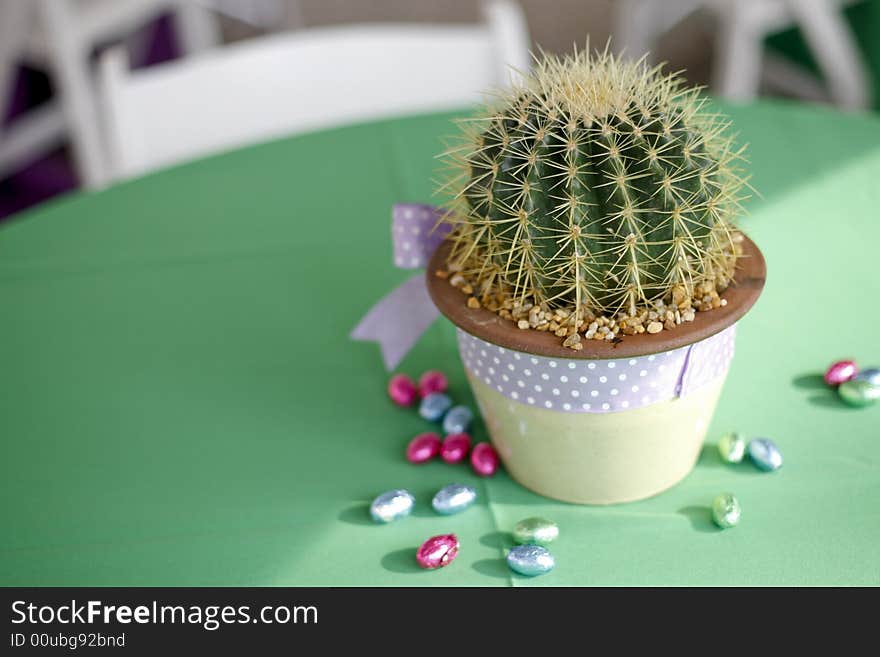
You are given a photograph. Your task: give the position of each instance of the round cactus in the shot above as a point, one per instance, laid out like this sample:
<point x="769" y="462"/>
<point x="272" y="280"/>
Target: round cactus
<point x="596" y="184"/>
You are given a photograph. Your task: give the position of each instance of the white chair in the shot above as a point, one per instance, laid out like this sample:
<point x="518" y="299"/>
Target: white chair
<point x="312" y="79"/>
<point x="740" y="60"/>
<point x="60" y="36"/>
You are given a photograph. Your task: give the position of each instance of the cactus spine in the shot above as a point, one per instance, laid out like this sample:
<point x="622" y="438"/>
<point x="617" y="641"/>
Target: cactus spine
<point x="597" y="185"/>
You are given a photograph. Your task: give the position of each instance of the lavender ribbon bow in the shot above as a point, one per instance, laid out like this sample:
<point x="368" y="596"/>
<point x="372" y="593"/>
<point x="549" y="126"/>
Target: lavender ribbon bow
<point x="399" y="319"/>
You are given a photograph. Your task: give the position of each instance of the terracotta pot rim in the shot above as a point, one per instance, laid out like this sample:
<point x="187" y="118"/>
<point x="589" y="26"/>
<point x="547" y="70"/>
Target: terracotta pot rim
<point x="750" y="275"/>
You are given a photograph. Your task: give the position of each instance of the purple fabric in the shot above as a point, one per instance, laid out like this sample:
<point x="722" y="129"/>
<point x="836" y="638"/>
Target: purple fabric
<point x="416" y="234"/>
<point x="578" y="385"/>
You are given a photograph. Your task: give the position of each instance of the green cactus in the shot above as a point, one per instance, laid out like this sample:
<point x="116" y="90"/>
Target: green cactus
<point x="596" y="184"/>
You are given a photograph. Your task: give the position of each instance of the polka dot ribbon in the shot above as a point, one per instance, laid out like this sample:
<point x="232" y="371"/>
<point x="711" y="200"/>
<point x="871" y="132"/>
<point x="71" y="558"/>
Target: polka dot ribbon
<point x="597" y="386"/>
<point x="416" y="234"/>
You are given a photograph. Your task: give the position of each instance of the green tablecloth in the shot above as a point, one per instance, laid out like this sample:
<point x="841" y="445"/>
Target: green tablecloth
<point x="180" y="403"/>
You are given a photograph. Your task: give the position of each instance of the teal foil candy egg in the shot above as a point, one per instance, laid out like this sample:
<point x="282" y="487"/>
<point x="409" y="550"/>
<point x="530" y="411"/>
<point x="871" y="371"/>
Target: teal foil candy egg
<point x="871" y="375"/>
<point x="731" y="447"/>
<point x="458" y="420"/>
<point x="535" y="531"/>
<point x="858" y="392"/>
<point x="765" y="454"/>
<point x="530" y="560"/>
<point x="434" y="406"/>
<point x="726" y="511"/>
<point x="453" y="499"/>
<point x="392" y="505"/>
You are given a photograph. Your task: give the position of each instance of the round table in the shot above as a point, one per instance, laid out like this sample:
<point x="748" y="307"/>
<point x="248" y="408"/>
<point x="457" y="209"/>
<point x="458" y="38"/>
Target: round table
<point x="181" y="403"/>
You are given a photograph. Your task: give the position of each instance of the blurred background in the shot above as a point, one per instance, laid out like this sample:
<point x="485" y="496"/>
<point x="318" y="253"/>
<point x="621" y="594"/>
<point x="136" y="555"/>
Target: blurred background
<point x="69" y="83"/>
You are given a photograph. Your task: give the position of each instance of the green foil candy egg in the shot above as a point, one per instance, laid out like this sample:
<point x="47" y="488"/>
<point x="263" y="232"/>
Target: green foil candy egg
<point x="535" y="531"/>
<point x="726" y="511"/>
<point x="732" y="447"/>
<point x="858" y="392"/>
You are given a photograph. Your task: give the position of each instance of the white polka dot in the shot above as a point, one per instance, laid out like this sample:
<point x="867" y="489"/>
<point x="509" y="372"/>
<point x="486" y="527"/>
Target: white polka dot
<point x="566" y="406"/>
<point x="643" y="373"/>
<point x="653" y="384"/>
<point x="592" y="366"/>
<point x="614" y="391"/>
<point x="479" y="362"/>
<point x="491" y="370"/>
<point x="611" y="365"/>
<point x="563" y="378"/>
<point x="555" y="391"/>
<point x="499" y="388"/>
<point x="531" y="400"/>
<point x="606" y="406"/>
<point x="586" y="406"/>
<point x="538" y="388"/>
<point x="521" y="384"/>
<point x="548" y="404"/>
<point x="593" y="393"/>
<point x="575" y="393"/>
<point x="495" y="360"/>
<point x="603" y="379"/>
<point x="527" y="372"/>
<point x="635" y="388"/>
<point x="534" y="361"/>
<point x="662" y="367"/>
<point x="477" y="372"/>
<point x="583" y="379"/>
<point x="651" y="358"/>
<point x="517" y="356"/>
<point x="483" y="353"/>
<point x="406" y="246"/>
<point x="505" y="377"/>
<point x="571" y="366"/>
<point x="624" y="404"/>
<point x="552" y="363"/>
<point x="622" y="377"/>
<point x="500" y="350"/>
<point x="487" y="380"/>
<point x="545" y="376"/>
<point x="633" y="361"/>
<point x="645" y="400"/>
<point x="514" y="395"/>
<point x="510" y="367"/>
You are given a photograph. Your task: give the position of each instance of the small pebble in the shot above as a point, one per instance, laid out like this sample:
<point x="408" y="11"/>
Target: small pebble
<point x="871" y="375"/>
<point x="858" y="393"/>
<point x="434" y="406"/>
<point x="392" y="505"/>
<point x="530" y="560"/>
<point x="432" y="381"/>
<point x="731" y="447"/>
<point x="402" y="390"/>
<point x="484" y="459"/>
<point x="458" y="420"/>
<point x="764" y="454"/>
<point x="726" y="511"/>
<point x="655" y="327"/>
<point x="455" y="447"/>
<point x="842" y="370"/>
<point x="535" y="531"/>
<point x="423" y="448"/>
<point x="453" y="499"/>
<point x="438" y="551"/>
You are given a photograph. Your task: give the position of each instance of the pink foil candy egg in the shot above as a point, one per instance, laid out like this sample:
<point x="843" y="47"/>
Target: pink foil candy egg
<point x="455" y="447"/>
<point x="438" y="551"/>
<point x="842" y="370"/>
<point x="432" y="381"/>
<point x="402" y="390"/>
<point x="484" y="459"/>
<point x="423" y="448"/>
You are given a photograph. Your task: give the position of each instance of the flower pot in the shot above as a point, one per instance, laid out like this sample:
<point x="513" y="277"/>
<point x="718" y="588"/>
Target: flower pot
<point x="610" y="423"/>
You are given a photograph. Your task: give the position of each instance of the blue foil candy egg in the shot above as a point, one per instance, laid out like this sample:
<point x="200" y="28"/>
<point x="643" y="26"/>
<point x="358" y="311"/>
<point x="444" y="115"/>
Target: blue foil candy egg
<point x="870" y="375"/>
<point x="764" y="454"/>
<point x="458" y="420"/>
<point x="530" y="560"/>
<point x="434" y="406"/>
<point x="453" y="499"/>
<point x="392" y="505"/>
